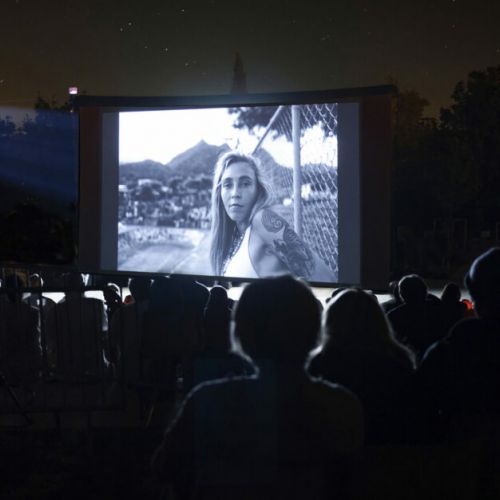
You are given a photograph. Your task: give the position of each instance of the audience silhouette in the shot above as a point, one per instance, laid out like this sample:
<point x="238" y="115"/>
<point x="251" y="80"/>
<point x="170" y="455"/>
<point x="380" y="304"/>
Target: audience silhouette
<point x="395" y="299"/>
<point x="126" y="332"/>
<point x="36" y="299"/>
<point x="112" y="299"/>
<point x="276" y="435"/>
<point x="76" y="332"/>
<point x="162" y="343"/>
<point x="272" y="402"/>
<point x="215" y="359"/>
<point x="359" y="352"/>
<point x="417" y="322"/>
<point x="453" y="309"/>
<point x="461" y="374"/>
<point x="20" y="348"/>
<point x="195" y="297"/>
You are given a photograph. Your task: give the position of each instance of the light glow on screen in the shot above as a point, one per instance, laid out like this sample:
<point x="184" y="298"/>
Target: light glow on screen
<point x="162" y="135"/>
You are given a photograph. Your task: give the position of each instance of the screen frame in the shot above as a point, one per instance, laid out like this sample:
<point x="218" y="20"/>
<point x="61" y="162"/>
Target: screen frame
<point x="375" y="155"/>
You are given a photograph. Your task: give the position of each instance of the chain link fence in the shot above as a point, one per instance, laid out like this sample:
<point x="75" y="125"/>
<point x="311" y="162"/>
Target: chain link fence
<point x="305" y="193"/>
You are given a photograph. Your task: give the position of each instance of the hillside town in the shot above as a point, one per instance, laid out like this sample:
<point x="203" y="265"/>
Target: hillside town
<point x="181" y="202"/>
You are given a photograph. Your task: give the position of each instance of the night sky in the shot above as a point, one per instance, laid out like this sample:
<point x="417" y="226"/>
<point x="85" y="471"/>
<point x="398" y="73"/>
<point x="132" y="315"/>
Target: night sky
<point x="152" y="47"/>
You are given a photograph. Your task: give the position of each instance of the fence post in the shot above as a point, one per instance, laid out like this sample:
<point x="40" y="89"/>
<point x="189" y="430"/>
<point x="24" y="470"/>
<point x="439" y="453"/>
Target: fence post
<point x="297" y="181"/>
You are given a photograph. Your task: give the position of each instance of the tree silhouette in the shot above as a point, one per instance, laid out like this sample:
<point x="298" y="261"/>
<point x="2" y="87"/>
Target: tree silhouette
<point x="39" y="175"/>
<point x="446" y="169"/>
<point x="424" y="188"/>
<point x="7" y="127"/>
<point x="473" y="125"/>
<point x="251" y="118"/>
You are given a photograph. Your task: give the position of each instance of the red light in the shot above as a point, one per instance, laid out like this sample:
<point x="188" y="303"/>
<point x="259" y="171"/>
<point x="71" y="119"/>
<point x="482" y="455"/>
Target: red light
<point x="469" y="304"/>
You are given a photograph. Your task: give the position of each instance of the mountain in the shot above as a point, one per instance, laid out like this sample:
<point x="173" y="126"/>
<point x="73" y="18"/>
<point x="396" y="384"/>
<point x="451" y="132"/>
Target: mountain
<point x="200" y="159"/>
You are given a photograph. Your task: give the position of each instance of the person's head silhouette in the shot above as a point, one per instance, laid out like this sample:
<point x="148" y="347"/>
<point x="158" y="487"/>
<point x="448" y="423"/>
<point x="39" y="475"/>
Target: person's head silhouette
<point x="218" y="296"/>
<point x="277" y="319"/>
<point x="73" y="284"/>
<point x="412" y="289"/>
<point x="354" y="317"/>
<point x="139" y="287"/>
<point x="483" y="283"/>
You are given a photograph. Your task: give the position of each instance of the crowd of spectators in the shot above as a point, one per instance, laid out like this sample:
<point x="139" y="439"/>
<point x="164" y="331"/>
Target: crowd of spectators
<point x="280" y="392"/>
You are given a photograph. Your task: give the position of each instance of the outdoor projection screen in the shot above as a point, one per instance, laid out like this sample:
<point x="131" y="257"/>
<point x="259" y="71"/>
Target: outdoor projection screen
<point x="147" y="174"/>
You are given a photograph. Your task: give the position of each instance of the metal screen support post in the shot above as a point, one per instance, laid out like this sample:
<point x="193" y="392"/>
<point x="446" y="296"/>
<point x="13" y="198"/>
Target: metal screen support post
<point x="297" y="181"/>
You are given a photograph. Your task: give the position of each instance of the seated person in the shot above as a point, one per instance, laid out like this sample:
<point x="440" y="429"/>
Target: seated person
<point x="417" y="323"/>
<point x="76" y="331"/>
<point x="453" y="309"/>
<point x="112" y="299"/>
<point x="125" y="332"/>
<point x="275" y="435"/>
<point x="20" y="348"/>
<point x="36" y="299"/>
<point x="216" y="359"/>
<point x="461" y="374"/>
<point x="359" y="352"/>
<point x="41" y="303"/>
<point x="394" y="300"/>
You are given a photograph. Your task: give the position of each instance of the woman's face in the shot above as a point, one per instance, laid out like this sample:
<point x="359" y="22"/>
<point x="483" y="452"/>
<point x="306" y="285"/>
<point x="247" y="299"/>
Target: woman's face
<point x="239" y="190"/>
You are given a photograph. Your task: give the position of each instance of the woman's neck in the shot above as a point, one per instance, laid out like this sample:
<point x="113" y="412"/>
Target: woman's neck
<point x="242" y="226"/>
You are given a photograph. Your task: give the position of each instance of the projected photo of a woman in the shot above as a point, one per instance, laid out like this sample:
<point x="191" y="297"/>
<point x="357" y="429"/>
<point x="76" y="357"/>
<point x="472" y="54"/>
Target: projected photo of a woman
<point x="248" y="238"/>
<point x="192" y="200"/>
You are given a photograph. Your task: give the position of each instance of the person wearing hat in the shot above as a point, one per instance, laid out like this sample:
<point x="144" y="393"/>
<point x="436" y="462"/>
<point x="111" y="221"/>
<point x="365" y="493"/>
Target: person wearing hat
<point x="461" y="373"/>
<point x="483" y="283"/>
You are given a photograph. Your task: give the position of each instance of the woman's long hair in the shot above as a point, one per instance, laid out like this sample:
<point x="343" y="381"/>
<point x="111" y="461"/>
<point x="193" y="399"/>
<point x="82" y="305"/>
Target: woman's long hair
<point x="222" y="228"/>
<point x="354" y="319"/>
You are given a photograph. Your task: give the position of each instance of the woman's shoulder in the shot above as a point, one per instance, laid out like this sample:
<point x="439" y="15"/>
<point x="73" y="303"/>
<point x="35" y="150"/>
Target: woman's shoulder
<point x="266" y="222"/>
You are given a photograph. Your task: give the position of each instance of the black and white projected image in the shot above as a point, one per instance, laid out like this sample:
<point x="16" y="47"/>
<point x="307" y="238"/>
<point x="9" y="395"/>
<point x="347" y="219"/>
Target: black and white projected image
<point x="167" y="161"/>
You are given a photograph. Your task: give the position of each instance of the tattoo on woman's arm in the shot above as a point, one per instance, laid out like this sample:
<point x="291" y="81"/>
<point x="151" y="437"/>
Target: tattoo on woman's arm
<point x="272" y="222"/>
<point x="294" y="253"/>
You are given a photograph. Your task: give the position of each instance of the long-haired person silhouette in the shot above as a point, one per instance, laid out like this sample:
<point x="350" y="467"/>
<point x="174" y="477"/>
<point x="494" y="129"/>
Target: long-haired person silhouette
<point x="358" y="351"/>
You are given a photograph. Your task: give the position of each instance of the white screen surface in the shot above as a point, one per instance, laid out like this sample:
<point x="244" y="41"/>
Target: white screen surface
<point x="166" y="170"/>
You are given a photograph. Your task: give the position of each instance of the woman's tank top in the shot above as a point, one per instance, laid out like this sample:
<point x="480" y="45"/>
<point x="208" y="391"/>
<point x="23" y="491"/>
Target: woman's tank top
<point x="240" y="265"/>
